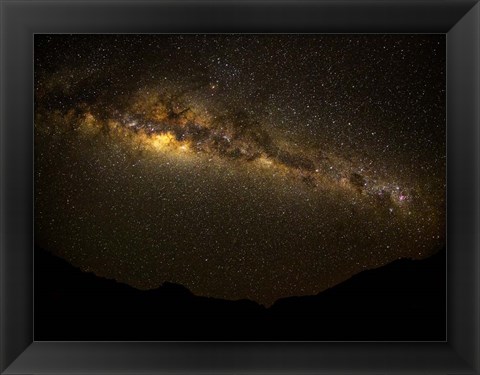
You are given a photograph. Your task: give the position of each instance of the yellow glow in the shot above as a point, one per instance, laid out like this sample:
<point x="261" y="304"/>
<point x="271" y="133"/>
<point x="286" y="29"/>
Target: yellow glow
<point x="90" y="125"/>
<point x="184" y="147"/>
<point x="89" y="119"/>
<point x="162" y="141"/>
<point x="264" y="161"/>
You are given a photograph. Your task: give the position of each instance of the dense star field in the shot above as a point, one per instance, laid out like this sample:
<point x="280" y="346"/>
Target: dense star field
<point x="240" y="166"/>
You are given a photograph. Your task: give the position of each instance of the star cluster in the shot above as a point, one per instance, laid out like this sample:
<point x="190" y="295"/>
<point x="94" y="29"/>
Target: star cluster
<point x="240" y="166"/>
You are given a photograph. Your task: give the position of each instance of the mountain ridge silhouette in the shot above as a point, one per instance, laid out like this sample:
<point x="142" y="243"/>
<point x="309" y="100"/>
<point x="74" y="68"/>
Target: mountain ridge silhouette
<point x="404" y="300"/>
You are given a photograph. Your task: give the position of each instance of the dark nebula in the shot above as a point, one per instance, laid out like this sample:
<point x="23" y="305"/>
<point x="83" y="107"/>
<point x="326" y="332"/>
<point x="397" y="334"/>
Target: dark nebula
<point x="239" y="166"/>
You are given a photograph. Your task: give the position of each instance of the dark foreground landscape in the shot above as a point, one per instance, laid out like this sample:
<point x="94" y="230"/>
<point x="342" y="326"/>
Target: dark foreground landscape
<point x="403" y="301"/>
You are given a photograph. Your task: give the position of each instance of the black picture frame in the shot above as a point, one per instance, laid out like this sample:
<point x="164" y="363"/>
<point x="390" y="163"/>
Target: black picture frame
<point x="459" y="20"/>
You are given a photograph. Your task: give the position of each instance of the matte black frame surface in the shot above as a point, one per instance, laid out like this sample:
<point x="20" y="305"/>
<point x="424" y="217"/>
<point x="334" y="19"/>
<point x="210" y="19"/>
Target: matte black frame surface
<point x="19" y="21"/>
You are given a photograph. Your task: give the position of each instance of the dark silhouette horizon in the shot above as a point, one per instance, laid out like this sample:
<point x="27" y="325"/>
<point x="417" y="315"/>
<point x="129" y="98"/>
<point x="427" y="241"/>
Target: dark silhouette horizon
<point x="402" y="301"/>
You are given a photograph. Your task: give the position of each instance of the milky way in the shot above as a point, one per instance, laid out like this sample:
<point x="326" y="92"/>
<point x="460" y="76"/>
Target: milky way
<point x="240" y="166"/>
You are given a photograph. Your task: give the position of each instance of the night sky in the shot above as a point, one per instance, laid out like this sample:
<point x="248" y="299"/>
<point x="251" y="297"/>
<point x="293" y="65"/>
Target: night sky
<point x="240" y="166"/>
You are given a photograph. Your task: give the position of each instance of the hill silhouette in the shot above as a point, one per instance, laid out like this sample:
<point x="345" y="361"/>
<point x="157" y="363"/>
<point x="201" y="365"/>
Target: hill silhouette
<point x="402" y="301"/>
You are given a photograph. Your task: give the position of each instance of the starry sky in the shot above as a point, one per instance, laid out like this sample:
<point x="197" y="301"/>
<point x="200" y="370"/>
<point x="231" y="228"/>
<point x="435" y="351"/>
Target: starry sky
<point x="240" y="166"/>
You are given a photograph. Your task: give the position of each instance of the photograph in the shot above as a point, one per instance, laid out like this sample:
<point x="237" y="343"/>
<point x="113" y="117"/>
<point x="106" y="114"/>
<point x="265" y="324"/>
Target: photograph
<point x="239" y="187"/>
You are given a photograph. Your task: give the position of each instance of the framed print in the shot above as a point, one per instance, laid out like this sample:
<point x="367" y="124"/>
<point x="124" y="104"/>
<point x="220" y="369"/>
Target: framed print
<point x="205" y="187"/>
<point x="299" y="200"/>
